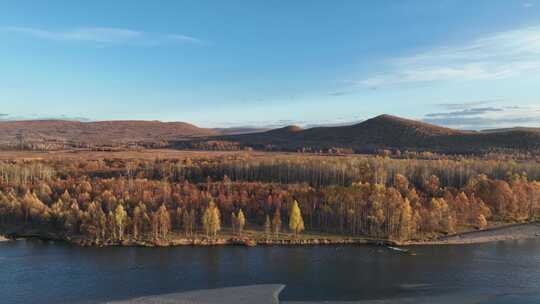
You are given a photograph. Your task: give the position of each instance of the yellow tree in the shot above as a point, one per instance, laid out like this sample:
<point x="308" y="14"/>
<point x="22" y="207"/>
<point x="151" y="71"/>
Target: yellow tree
<point x="241" y="221"/>
<point x="216" y="221"/>
<point x="401" y="183"/>
<point x="481" y="222"/>
<point x="164" y="221"/>
<point x="211" y="219"/>
<point x="120" y="218"/>
<point x="140" y="220"/>
<point x="296" y="223"/>
<point x="405" y="221"/>
<point x="267" y="227"/>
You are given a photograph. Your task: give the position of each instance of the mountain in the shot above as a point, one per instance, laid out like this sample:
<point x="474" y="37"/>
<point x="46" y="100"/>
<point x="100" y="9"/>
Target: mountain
<point x="385" y="132"/>
<point x="381" y="132"/>
<point x="54" y="134"/>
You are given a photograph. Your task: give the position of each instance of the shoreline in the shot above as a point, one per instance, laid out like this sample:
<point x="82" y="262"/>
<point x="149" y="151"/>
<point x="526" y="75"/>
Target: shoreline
<point x="223" y="240"/>
<point x="522" y="231"/>
<point x="501" y="233"/>
<point x="237" y="241"/>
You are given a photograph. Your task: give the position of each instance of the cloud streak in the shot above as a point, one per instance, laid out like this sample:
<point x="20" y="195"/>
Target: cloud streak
<point x="103" y="36"/>
<point x="477" y="118"/>
<point x="465" y="112"/>
<point x="496" y="56"/>
<point x="8" y="117"/>
<point x="466" y="105"/>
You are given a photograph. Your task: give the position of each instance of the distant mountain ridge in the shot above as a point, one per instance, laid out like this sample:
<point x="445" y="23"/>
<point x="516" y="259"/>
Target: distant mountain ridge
<point x="53" y="134"/>
<point x="388" y="132"/>
<point x="381" y="132"/>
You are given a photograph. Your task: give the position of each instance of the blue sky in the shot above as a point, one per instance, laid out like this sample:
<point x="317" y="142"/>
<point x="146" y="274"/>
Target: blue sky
<point x="464" y="64"/>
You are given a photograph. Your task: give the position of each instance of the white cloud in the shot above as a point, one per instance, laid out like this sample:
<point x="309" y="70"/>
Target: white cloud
<point x="499" y="55"/>
<point x="467" y="105"/>
<point x="476" y="118"/>
<point x="102" y="35"/>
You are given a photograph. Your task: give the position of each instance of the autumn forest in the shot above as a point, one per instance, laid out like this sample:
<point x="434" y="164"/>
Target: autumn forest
<point x="104" y="201"/>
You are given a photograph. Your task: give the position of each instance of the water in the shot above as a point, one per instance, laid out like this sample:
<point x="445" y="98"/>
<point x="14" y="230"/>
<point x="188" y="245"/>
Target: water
<point x="47" y="272"/>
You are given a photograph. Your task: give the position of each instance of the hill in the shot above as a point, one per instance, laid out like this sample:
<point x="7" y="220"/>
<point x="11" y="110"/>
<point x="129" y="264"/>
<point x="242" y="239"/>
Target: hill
<point x="381" y="132"/>
<point x="55" y="134"/>
<point x="385" y="132"/>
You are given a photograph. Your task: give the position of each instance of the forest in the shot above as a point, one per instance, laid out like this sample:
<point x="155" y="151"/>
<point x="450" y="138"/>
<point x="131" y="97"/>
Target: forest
<point x="118" y="200"/>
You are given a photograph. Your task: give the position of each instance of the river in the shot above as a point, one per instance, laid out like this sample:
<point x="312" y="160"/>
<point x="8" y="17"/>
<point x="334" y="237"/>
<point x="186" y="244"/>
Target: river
<point x="33" y="271"/>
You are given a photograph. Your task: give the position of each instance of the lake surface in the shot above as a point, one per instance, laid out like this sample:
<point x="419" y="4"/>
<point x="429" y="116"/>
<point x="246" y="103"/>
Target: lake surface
<point x="46" y="272"/>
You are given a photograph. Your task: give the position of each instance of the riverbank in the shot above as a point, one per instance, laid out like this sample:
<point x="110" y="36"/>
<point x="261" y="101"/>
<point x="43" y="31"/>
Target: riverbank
<point x="236" y="241"/>
<point x="495" y="234"/>
<point x="253" y="238"/>
<point x="3" y="238"/>
<point x="249" y="238"/>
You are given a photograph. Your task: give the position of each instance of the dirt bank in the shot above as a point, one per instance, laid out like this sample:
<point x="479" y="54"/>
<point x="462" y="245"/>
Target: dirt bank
<point x="3" y="238"/>
<point x="234" y="241"/>
<point x="501" y="233"/>
<point x="504" y="233"/>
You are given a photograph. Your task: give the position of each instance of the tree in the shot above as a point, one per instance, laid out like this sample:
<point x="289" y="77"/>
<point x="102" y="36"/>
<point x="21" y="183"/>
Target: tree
<point x="439" y="215"/>
<point x="178" y="216"/>
<point x="241" y="220"/>
<point x="406" y="221"/>
<point x="496" y="194"/>
<point x="216" y="221"/>
<point x="432" y="185"/>
<point x="276" y="222"/>
<point x="164" y="222"/>
<point x="94" y="222"/>
<point x="33" y="208"/>
<point x="296" y="223"/>
<point x="140" y="220"/>
<point x="267" y="227"/>
<point x="111" y="226"/>
<point x="479" y="213"/>
<point x="481" y="222"/>
<point x="211" y="219"/>
<point x="188" y="221"/>
<point x="234" y="222"/>
<point x="120" y="218"/>
<point x="154" y="220"/>
<point x="375" y="217"/>
<point x="401" y="183"/>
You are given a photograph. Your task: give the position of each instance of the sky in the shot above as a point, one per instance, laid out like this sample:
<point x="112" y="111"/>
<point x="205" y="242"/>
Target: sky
<point x="459" y="63"/>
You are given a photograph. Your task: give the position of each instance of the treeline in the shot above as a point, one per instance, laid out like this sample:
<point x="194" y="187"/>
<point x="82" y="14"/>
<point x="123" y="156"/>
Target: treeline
<point x="326" y="171"/>
<point x="115" y="200"/>
<point x="317" y="171"/>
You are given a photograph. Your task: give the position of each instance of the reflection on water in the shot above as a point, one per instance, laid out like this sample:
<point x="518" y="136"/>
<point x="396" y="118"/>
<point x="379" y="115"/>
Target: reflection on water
<point x="44" y="272"/>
